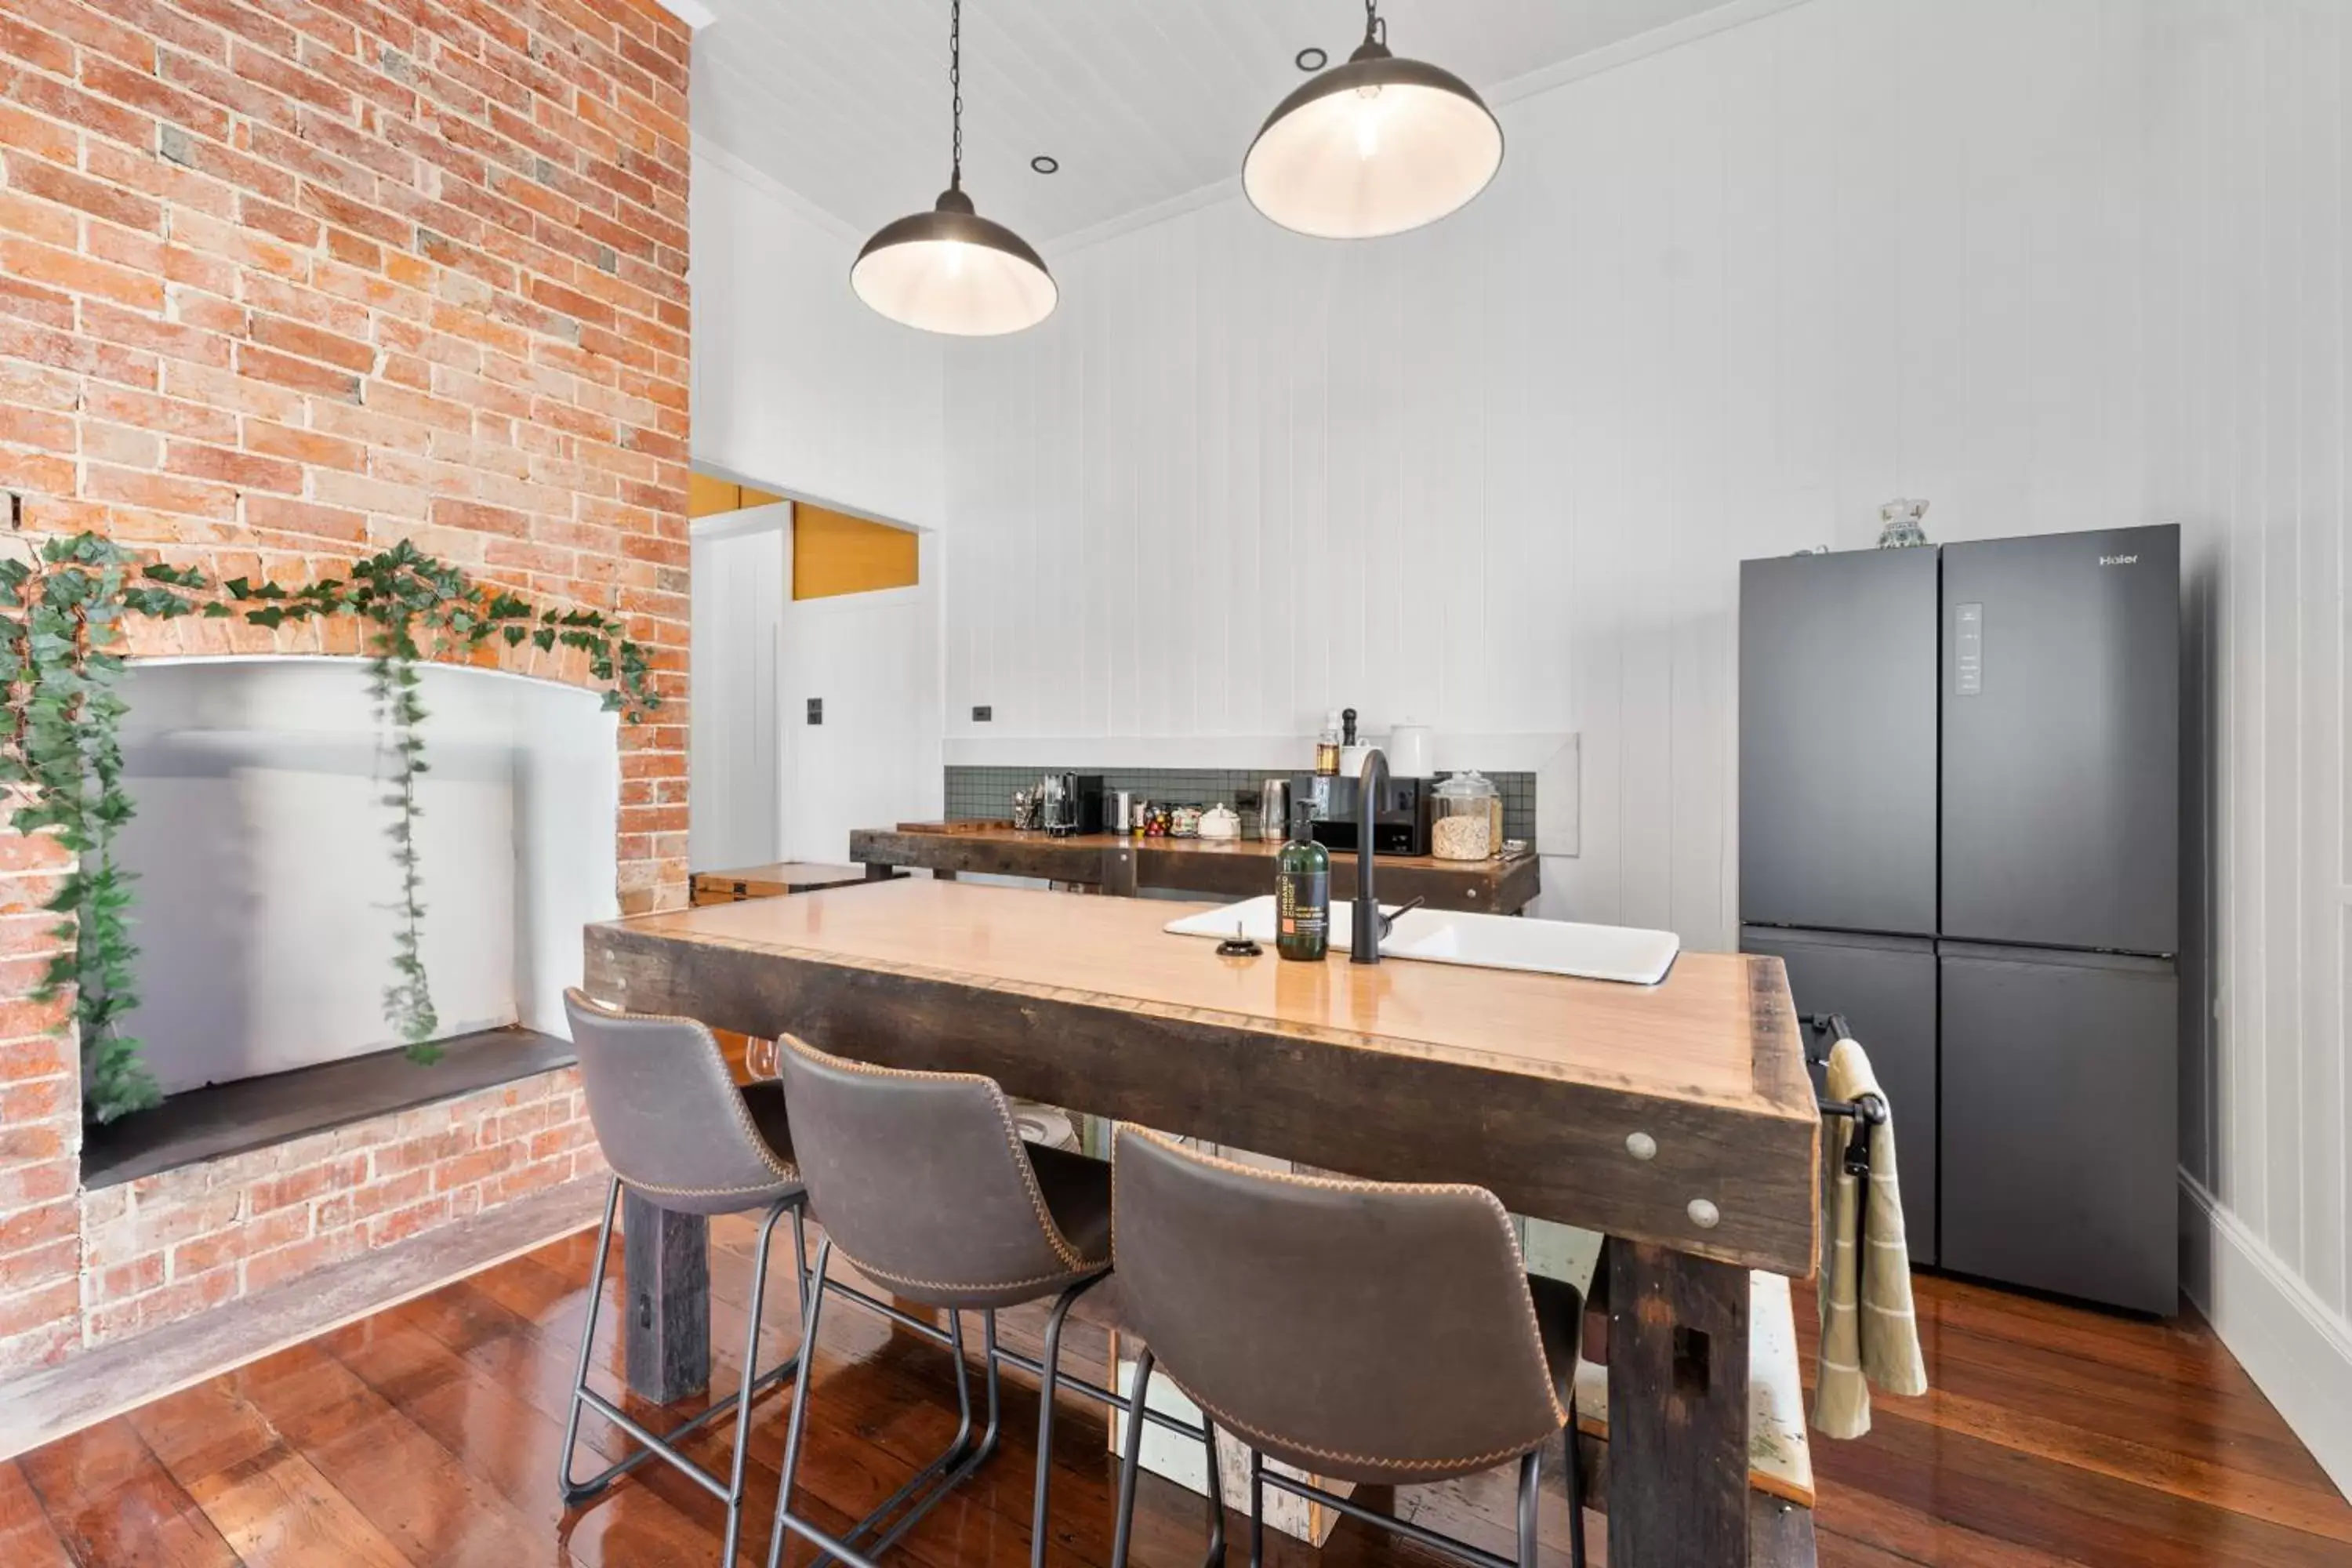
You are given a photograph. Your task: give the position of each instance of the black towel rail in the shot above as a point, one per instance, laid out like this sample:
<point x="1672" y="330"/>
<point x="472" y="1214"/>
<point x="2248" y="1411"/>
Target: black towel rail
<point x="1864" y="1111"/>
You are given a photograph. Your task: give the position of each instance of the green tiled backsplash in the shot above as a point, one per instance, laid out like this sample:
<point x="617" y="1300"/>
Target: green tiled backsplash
<point x="985" y="792"/>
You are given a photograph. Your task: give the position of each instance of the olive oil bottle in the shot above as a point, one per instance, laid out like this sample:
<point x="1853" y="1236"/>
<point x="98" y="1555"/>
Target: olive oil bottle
<point x="1302" y="901"/>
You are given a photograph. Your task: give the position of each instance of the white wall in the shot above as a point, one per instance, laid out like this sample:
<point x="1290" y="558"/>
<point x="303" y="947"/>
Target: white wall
<point x="743" y="580"/>
<point x="797" y="386"/>
<point x="267" y="890"/>
<point x="1722" y="301"/>
<point x="800" y="388"/>
<point x="2249" y="265"/>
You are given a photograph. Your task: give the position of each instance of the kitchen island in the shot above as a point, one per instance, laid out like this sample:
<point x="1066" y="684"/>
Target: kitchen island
<point x="1214" y="867"/>
<point x="1676" y="1118"/>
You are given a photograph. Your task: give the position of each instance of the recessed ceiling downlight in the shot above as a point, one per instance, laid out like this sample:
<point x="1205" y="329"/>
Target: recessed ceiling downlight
<point x="949" y="269"/>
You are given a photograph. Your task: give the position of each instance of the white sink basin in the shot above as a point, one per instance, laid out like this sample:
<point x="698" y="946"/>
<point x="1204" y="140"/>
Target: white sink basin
<point x="1627" y="954"/>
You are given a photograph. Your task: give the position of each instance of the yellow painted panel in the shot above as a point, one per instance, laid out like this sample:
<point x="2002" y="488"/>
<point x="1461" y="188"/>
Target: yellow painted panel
<point x="708" y="497"/>
<point x="836" y="553"/>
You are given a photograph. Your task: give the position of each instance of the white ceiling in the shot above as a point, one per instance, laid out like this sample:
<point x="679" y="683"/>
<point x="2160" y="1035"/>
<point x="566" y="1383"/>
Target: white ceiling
<point x="845" y="102"/>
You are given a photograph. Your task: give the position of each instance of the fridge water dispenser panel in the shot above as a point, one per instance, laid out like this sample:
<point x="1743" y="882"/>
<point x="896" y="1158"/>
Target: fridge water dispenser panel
<point x="1967" y="650"/>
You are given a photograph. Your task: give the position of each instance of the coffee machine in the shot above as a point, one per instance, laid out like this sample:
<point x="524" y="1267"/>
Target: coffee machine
<point x="1071" y="803"/>
<point x="1323" y="808"/>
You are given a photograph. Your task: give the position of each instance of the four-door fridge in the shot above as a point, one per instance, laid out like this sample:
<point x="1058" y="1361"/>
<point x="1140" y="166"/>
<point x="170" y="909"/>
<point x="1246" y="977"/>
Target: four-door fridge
<point x="1959" y="826"/>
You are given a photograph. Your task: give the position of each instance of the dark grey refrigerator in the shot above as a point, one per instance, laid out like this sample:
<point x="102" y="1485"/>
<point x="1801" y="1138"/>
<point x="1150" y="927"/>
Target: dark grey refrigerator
<point x="1958" y="824"/>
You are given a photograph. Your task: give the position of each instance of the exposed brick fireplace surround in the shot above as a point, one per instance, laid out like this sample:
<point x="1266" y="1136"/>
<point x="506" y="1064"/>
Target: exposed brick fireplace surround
<point x="281" y="282"/>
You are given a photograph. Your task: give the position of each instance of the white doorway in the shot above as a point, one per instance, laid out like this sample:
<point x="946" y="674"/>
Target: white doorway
<point x="875" y="757"/>
<point x="742" y="569"/>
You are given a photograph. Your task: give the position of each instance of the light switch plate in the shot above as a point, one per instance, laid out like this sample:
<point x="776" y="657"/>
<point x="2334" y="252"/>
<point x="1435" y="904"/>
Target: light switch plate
<point x="1559" y="799"/>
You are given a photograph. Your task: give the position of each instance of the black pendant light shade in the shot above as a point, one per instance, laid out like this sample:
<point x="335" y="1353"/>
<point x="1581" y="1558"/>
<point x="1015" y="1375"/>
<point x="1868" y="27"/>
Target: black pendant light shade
<point x="949" y="269"/>
<point x="1375" y="146"/>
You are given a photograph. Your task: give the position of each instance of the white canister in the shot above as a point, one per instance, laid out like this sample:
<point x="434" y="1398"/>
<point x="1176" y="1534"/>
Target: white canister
<point x="1413" y="752"/>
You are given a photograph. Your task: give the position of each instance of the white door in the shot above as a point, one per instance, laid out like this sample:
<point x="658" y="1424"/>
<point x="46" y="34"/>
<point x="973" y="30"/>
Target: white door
<point x="875" y="759"/>
<point x="741" y="576"/>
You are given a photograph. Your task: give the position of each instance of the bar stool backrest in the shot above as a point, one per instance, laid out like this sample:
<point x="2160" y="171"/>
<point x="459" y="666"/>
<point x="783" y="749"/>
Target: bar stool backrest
<point x="920" y="1178"/>
<point x="1362" y="1330"/>
<point x="672" y="1123"/>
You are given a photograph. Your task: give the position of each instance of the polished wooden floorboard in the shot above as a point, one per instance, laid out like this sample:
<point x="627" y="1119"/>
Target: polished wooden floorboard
<point x="428" y="1435"/>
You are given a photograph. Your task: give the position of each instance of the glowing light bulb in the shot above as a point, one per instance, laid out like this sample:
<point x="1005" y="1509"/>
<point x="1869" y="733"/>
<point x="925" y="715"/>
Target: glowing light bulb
<point x="955" y="258"/>
<point x="1368" y="129"/>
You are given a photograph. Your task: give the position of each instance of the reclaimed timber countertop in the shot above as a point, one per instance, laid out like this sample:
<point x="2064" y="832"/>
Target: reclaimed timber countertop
<point x="1228" y="868"/>
<point x="1530" y="1084"/>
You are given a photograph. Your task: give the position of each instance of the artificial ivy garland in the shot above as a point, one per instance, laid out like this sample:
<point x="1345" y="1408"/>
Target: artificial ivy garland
<point x="61" y="632"/>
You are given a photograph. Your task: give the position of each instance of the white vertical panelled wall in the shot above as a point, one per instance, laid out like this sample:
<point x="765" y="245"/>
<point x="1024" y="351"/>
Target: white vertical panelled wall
<point x="797" y="386"/>
<point x="2250" y="176"/>
<point x="2052" y="264"/>
<point x="1723" y="300"/>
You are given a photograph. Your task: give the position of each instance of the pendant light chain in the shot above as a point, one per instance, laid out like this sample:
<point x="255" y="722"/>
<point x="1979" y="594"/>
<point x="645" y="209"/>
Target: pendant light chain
<point x="1376" y="31"/>
<point x="955" y="87"/>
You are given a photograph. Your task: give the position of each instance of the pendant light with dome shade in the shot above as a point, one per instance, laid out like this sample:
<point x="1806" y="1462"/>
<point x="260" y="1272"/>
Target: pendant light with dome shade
<point x="1373" y="147"/>
<point x="949" y="269"/>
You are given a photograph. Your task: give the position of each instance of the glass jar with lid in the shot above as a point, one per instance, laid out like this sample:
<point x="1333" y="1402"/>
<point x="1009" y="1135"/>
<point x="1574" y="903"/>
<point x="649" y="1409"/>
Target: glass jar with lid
<point x="1462" y="818"/>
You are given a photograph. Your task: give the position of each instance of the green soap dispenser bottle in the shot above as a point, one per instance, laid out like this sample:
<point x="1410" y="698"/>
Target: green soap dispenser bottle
<point x="1302" y="902"/>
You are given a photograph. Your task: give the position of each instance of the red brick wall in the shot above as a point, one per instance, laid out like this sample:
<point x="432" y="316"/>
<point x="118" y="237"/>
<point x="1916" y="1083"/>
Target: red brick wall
<point x="163" y="1248"/>
<point x="283" y="281"/>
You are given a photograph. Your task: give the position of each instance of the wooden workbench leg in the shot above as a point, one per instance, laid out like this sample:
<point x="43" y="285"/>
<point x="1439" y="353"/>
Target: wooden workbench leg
<point x="665" y="1285"/>
<point x="877" y="872"/>
<point x="1677" y="1409"/>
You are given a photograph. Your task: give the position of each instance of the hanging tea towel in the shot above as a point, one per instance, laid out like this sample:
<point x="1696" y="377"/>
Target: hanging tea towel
<point x="1868" y="1329"/>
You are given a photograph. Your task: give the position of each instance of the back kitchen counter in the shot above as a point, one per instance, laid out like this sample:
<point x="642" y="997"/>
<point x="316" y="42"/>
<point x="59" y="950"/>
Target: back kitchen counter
<point x="1225" y="868"/>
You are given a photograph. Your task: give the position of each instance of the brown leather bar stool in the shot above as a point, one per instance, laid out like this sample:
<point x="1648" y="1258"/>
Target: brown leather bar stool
<point x="1366" y="1331"/>
<point x="681" y="1135"/>
<point x="924" y="1184"/>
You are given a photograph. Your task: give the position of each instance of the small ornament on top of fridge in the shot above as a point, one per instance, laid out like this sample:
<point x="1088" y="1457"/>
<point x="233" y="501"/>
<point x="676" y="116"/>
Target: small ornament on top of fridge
<point x="1902" y="524"/>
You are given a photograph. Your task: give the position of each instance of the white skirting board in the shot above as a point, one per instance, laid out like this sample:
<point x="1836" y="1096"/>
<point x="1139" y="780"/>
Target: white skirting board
<point x="2298" y="1352"/>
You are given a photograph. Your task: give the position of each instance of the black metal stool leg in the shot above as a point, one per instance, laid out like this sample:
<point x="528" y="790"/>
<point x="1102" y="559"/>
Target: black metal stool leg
<point x="666" y="1446"/>
<point x="929" y="1486"/>
<point x="1048" y="1378"/>
<point x="1575" y="1501"/>
<point x="1257" y="1509"/>
<point x="1215" y="1555"/>
<point x="799" y="1421"/>
<point x="751" y="1381"/>
<point x="1530" y="1472"/>
<point x="576" y="1491"/>
<point x="801" y="1268"/>
<point x="1130" y="1459"/>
